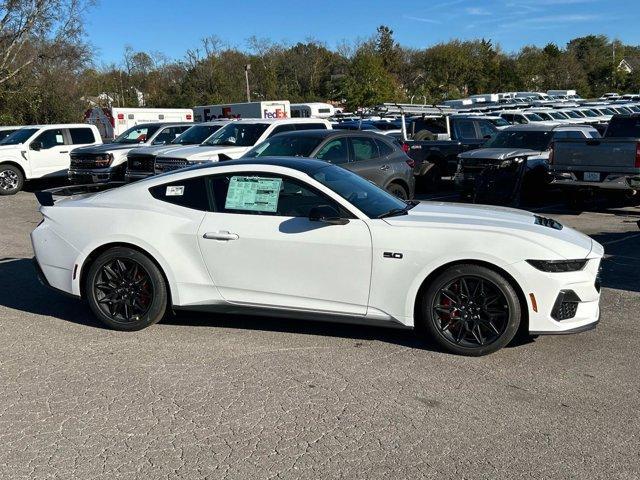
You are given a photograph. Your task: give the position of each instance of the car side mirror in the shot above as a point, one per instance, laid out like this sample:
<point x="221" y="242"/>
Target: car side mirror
<point x="37" y="146"/>
<point x="327" y="214"/>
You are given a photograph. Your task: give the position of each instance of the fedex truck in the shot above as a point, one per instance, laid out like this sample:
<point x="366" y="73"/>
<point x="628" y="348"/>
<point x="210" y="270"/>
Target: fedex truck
<point x="111" y="122"/>
<point x="278" y="109"/>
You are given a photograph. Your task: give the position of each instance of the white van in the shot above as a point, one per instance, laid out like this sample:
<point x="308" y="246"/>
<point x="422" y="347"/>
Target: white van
<point x="41" y="151"/>
<point x="111" y="122"/>
<point x="278" y="109"/>
<point x="312" y="110"/>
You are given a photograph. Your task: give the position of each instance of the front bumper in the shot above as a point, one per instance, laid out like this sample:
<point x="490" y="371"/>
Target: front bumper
<point x="551" y="289"/>
<point x="133" y="176"/>
<point x="93" y="176"/>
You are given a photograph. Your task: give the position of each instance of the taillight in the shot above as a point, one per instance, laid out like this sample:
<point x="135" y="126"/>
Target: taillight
<point x="411" y="162"/>
<point x="551" y="154"/>
<point x="405" y="147"/>
<point x="637" y="155"/>
<point x="188" y="116"/>
<point x="121" y="116"/>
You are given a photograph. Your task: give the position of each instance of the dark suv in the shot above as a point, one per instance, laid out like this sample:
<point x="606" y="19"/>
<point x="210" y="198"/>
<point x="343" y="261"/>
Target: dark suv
<point x="371" y="155"/>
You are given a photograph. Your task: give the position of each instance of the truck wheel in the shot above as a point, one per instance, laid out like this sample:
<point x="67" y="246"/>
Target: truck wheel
<point x="11" y="179"/>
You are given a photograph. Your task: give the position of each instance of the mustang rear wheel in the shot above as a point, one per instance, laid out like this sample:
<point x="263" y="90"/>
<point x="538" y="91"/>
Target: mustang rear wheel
<point x="471" y="310"/>
<point x="126" y="290"/>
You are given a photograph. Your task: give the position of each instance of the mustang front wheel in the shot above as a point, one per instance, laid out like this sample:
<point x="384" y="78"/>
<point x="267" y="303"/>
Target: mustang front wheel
<point x="471" y="310"/>
<point x="126" y="290"/>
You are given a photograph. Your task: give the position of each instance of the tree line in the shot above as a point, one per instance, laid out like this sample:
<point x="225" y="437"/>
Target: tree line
<point x="48" y="70"/>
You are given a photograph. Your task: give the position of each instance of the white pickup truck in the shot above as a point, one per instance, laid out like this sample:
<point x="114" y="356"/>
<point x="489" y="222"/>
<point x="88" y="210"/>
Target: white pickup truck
<point x="234" y="140"/>
<point x="41" y="151"/>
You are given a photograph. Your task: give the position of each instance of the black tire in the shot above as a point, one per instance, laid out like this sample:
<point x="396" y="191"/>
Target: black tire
<point x="473" y="322"/>
<point x="431" y="180"/>
<point x="398" y="190"/>
<point x="11" y="179"/>
<point x="126" y="290"/>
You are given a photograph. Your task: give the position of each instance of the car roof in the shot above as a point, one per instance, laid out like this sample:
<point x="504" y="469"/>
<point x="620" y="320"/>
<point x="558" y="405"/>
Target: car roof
<point x="305" y="165"/>
<point x="325" y="133"/>
<point x="281" y="120"/>
<point x="546" y="128"/>
<point x="61" y="125"/>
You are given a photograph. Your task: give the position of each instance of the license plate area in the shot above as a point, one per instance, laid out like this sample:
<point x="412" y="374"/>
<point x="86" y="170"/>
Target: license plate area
<point x="591" y="176"/>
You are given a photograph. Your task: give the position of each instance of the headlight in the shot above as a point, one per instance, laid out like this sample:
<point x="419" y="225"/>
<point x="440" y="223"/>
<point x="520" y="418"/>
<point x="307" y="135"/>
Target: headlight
<point x="103" y="160"/>
<point x="558" y="266"/>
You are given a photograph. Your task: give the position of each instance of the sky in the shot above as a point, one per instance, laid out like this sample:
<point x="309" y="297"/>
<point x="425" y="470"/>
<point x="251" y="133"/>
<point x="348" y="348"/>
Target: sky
<point x="173" y="27"/>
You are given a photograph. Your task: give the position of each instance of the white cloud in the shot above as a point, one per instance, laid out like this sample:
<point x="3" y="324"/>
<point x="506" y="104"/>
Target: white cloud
<point x="421" y="19"/>
<point x="476" y="11"/>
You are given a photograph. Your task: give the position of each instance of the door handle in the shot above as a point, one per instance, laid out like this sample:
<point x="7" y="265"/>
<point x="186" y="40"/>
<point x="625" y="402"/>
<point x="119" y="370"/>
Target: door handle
<point x="65" y="151"/>
<point x="223" y="235"/>
<point x="385" y="167"/>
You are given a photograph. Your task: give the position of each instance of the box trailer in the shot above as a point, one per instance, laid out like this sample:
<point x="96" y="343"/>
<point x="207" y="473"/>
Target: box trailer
<point x="111" y="122"/>
<point x="278" y="109"/>
<point x="312" y="110"/>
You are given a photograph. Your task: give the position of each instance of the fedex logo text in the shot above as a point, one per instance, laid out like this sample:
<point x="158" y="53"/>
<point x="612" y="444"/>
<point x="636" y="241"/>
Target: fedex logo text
<point x="278" y="113"/>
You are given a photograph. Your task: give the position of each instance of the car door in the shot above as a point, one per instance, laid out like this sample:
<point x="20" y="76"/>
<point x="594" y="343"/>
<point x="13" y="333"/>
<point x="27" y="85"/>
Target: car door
<point x="49" y="153"/>
<point x="367" y="161"/>
<point x="261" y="248"/>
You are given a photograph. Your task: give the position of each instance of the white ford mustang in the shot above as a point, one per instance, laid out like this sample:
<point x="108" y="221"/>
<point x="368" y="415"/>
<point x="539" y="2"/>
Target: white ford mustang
<point x="310" y="239"/>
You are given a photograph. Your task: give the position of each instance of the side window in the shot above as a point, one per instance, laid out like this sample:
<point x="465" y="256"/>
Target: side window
<point x="168" y="135"/>
<point x="81" y="136"/>
<point x="188" y="193"/>
<point x="335" y="151"/>
<point x="569" y="134"/>
<point x="50" y="138"/>
<point x="287" y="127"/>
<point x="364" y="148"/>
<point x="265" y="194"/>
<point x="384" y="148"/>
<point x="508" y="117"/>
<point x="466" y="129"/>
<point x="519" y="119"/>
<point x="486" y="129"/>
<point x="310" y="126"/>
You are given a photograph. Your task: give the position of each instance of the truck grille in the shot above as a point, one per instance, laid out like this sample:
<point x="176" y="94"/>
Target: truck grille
<point x="140" y="163"/>
<point x="88" y="161"/>
<point x="163" y="165"/>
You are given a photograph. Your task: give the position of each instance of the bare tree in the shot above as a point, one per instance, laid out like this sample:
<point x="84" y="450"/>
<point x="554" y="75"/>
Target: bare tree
<point x="30" y="28"/>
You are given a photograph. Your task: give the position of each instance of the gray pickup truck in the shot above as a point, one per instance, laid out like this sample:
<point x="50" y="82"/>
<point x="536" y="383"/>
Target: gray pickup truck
<point x="609" y="163"/>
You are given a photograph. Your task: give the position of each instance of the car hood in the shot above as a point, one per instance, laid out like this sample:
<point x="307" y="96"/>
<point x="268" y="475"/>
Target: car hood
<point x="204" y="152"/>
<point x="566" y="243"/>
<point x="106" y="147"/>
<point x="500" y="153"/>
<point x="160" y="149"/>
<point x="5" y="148"/>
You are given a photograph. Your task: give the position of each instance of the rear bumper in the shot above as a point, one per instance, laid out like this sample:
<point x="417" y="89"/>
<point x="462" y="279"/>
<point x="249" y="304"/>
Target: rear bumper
<point x="43" y="280"/>
<point x="611" y="181"/>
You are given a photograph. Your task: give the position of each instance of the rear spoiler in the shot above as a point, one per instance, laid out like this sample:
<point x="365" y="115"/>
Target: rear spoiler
<point x="45" y="197"/>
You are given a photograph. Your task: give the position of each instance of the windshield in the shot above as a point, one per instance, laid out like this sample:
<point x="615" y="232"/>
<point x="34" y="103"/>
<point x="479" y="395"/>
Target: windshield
<point x="139" y="134"/>
<point x="19" y="136"/>
<point x="364" y="195"/>
<point x="557" y="115"/>
<point x="589" y="113"/>
<point x="534" y="117"/>
<point x="196" y="134"/>
<point x="571" y="114"/>
<point x="534" y="140"/>
<point x="285" y="146"/>
<point x="238" y="134"/>
<point x="579" y="114"/>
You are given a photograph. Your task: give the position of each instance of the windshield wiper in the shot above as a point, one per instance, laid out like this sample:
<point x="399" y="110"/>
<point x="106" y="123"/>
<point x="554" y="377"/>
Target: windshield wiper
<point x="394" y="212"/>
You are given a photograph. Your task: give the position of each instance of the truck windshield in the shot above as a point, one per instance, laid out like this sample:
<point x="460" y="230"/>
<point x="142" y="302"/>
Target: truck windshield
<point x="19" y="136"/>
<point x="370" y="199"/>
<point x="557" y="115"/>
<point x="237" y="135"/>
<point x="529" y="139"/>
<point x="139" y="134"/>
<point x="285" y="146"/>
<point x="534" y="117"/>
<point x="196" y="134"/>
<point x="571" y="114"/>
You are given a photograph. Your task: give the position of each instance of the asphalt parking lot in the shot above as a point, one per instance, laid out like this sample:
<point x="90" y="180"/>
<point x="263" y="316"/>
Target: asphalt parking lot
<point x="214" y="396"/>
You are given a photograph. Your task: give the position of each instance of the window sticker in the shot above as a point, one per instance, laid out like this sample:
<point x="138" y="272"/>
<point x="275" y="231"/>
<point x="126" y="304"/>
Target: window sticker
<point x="59" y="139"/>
<point x="256" y="194"/>
<point x="175" y="191"/>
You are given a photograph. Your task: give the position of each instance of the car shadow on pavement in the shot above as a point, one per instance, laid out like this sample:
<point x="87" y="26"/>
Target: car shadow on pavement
<point x="621" y="265"/>
<point x="21" y="290"/>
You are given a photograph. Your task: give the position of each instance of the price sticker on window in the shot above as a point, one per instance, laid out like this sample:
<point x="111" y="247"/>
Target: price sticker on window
<point x="257" y="194"/>
<point x="175" y="191"/>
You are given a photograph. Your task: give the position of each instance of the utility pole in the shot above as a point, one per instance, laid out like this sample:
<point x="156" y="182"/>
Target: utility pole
<point x="247" y="67"/>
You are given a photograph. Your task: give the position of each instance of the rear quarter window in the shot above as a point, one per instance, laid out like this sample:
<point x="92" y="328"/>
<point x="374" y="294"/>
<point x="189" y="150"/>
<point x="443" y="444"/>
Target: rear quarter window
<point x="189" y="193"/>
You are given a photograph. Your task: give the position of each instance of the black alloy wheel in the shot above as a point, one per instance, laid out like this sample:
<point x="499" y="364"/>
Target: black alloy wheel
<point x="126" y="290"/>
<point x="470" y="310"/>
